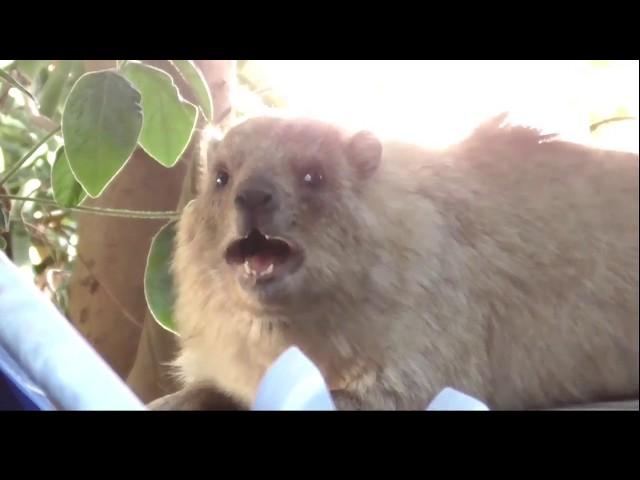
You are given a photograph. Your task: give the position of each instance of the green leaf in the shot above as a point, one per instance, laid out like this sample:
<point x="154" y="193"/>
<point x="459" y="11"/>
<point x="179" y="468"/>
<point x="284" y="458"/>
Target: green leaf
<point x="77" y="70"/>
<point x="17" y="135"/>
<point x="158" y="282"/>
<point x="66" y="189"/>
<point x="14" y="83"/>
<point x="101" y="125"/>
<point x="51" y="92"/>
<point x="20" y="243"/>
<point x="3" y="243"/>
<point x="192" y="74"/>
<point x="169" y="121"/>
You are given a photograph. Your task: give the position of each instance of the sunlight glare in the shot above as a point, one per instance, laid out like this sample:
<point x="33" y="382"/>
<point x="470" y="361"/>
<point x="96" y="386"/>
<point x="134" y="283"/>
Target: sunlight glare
<point x="437" y="103"/>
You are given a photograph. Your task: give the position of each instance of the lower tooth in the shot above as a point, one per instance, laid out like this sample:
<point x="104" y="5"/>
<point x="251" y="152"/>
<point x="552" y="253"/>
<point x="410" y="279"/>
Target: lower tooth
<point x="247" y="269"/>
<point x="269" y="270"/>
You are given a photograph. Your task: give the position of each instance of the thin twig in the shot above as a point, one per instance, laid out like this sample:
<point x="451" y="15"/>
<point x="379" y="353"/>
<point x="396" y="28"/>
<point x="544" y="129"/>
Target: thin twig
<point x="14" y="83"/>
<point x="110" y="212"/>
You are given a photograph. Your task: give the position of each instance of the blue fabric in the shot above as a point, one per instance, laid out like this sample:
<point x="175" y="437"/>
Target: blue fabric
<point x="17" y="391"/>
<point x="12" y="398"/>
<point x="46" y="359"/>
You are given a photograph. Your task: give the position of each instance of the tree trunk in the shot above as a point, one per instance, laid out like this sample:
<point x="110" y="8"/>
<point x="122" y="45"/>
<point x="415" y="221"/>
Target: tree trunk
<point x="106" y="292"/>
<point x="150" y="378"/>
<point x="106" y="296"/>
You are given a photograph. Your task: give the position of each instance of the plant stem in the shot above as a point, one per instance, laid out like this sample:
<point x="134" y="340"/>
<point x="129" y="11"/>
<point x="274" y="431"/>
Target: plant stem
<point x="21" y="162"/>
<point x="596" y="125"/>
<point x="110" y="212"/>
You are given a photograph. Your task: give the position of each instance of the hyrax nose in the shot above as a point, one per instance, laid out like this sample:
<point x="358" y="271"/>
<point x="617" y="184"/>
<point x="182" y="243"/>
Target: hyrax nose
<point x="256" y="196"/>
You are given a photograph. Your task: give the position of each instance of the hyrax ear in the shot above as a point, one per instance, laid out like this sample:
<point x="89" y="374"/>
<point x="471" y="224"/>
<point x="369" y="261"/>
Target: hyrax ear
<point x="365" y="153"/>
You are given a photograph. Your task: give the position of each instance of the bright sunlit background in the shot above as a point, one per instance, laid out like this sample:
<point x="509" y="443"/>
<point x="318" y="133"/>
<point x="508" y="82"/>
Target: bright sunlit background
<point x="437" y="103"/>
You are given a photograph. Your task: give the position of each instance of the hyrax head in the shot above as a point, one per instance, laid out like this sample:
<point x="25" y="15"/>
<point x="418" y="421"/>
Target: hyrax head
<point x="281" y="204"/>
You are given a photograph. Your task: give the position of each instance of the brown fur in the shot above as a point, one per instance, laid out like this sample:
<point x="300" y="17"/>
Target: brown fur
<point x="505" y="266"/>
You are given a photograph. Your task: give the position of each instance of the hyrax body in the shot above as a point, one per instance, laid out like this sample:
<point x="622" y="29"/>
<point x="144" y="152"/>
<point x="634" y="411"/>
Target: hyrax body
<point x="505" y="266"/>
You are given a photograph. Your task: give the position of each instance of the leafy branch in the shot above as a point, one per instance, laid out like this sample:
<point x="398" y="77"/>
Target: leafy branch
<point x="103" y="111"/>
<point x="26" y="157"/>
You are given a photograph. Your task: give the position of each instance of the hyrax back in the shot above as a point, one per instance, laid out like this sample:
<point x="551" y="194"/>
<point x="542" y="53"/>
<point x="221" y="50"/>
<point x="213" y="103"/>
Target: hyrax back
<point x="505" y="266"/>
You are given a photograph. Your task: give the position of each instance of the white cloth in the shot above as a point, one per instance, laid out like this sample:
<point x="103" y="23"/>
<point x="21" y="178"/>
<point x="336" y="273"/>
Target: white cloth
<point x="294" y="383"/>
<point x="52" y="353"/>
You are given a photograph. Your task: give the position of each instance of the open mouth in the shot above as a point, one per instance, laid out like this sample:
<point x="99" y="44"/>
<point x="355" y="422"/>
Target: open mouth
<point x="262" y="257"/>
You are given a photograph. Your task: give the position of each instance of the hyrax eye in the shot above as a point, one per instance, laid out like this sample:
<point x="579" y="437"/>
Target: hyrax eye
<point x="313" y="178"/>
<point x="222" y="178"/>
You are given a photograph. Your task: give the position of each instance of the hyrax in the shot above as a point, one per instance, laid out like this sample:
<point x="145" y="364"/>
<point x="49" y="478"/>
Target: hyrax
<point x="505" y="266"/>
